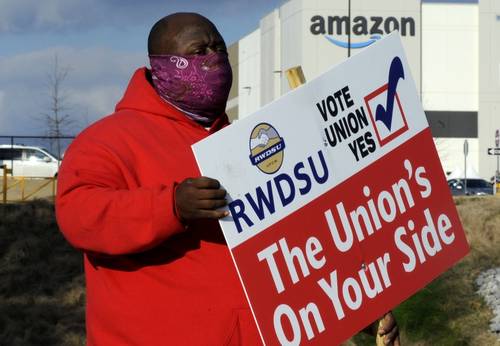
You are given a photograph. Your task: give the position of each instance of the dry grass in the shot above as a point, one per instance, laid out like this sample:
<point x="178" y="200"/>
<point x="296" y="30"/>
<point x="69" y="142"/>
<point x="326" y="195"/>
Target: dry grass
<point x="448" y="311"/>
<point x="42" y="287"/>
<point x="41" y="279"/>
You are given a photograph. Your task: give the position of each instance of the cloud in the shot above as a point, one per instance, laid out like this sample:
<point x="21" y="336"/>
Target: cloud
<point x="101" y="100"/>
<point x="18" y="16"/>
<point x="97" y="76"/>
<point x="95" y="81"/>
<point x="2" y="114"/>
<point x="29" y="16"/>
<point x="59" y="15"/>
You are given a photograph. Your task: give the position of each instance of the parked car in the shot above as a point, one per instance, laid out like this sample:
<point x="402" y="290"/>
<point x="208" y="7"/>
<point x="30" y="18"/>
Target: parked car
<point x="476" y="187"/>
<point x="29" y="161"/>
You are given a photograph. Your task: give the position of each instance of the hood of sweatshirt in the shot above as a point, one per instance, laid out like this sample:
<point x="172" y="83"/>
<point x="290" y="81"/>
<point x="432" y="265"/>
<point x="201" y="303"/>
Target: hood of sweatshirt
<point x="142" y="97"/>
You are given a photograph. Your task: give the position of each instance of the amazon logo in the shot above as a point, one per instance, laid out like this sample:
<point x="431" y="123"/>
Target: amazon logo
<point x="333" y="27"/>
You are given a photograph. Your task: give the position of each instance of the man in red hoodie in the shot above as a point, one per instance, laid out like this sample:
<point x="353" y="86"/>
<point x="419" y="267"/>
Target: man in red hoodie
<point x="158" y="271"/>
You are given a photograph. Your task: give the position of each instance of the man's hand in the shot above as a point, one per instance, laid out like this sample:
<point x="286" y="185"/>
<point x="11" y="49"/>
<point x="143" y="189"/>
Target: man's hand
<point x="387" y="330"/>
<point x="198" y="198"/>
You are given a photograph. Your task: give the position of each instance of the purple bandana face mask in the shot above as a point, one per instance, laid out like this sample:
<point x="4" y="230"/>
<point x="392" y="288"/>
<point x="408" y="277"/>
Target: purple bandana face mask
<point x="196" y="84"/>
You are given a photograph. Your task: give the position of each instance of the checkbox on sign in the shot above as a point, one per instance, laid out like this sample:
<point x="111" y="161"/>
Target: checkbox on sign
<point x="393" y="122"/>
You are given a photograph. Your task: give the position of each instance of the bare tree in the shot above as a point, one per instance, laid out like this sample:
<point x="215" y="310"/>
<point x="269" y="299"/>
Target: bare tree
<point x="56" y="120"/>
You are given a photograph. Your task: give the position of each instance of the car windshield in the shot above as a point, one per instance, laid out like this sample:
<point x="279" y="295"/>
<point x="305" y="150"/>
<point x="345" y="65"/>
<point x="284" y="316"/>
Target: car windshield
<point x="51" y="153"/>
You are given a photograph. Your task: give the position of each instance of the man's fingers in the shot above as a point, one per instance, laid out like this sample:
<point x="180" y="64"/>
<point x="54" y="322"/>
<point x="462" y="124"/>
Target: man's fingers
<point x="210" y="194"/>
<point x="387" y="324"/>
<point x="212" y="214"/>
<point x="209" y="204"/>
<point x="397" y="342"/>
<point x="383" y="330"/>
<point x="391" y="336"/>
<point x="204" y="183"/>
<point x="199" y="198"/>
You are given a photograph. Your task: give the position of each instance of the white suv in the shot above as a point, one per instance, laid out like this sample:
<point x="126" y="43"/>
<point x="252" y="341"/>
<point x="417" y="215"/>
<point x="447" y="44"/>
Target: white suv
<point x="29" y="161"/>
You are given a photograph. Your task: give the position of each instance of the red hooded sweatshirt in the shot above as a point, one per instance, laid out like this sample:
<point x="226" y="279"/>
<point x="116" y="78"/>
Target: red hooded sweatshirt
<point x="150" y="280"/>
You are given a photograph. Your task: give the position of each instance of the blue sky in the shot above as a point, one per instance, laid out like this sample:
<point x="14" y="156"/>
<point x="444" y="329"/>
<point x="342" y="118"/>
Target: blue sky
<point x="100" y="42"/>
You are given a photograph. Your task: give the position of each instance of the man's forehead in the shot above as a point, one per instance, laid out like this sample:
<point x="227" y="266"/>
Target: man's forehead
<point x="191" y="33"/>
<point x="178" y="31"/>
<point x="189" y="23"/>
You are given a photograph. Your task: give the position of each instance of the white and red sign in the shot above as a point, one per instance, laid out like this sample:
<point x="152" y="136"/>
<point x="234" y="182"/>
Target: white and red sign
<point x="339" y="208"/>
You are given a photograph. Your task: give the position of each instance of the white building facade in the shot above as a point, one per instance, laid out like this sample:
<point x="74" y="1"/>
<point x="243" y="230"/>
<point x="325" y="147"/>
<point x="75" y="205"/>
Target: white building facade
<point x="489" y="82"/>
<point x="449" y="52"/>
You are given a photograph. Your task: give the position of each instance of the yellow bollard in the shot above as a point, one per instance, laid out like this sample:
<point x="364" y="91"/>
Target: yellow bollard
<point x="22" y="189"/>
<point x="4" y="191"/>
<point x="54" y="179"/>
<point x="5" y="187"/>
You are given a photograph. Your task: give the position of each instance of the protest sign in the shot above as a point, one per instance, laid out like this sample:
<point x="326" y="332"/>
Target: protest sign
<point x="339" y="208"/>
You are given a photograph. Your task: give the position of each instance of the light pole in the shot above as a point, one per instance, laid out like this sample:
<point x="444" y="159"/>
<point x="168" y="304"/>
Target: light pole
<point x="349" y="28"/>
<point x="466" y="151"/>
<point x="497" y="172"/>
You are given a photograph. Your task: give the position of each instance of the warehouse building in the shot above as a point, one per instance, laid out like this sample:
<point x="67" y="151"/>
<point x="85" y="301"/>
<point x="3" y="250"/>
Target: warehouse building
<point x="452" y="48"/>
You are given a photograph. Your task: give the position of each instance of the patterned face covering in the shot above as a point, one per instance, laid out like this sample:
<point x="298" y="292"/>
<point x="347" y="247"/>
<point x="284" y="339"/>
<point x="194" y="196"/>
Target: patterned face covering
<point x="196" y="84"/>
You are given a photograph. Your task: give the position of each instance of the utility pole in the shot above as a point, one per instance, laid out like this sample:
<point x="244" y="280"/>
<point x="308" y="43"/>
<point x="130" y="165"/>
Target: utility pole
<point x="349" y="29"/>
<point x="497" y="173"/>
<point x="466" y="151"/>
